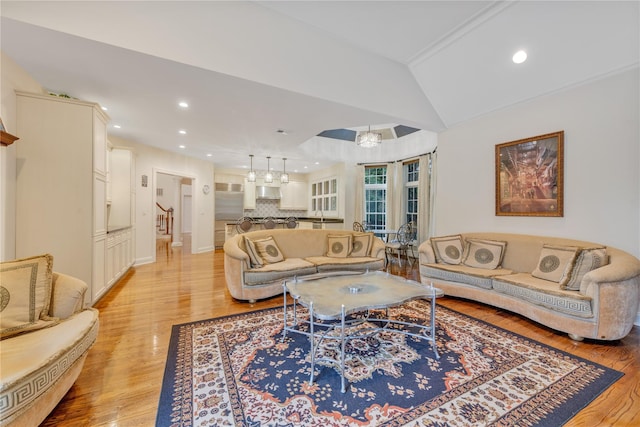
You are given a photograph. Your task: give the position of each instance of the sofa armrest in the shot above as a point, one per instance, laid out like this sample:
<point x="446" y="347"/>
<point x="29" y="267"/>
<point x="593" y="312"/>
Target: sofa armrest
<point x="67" y="295"/>
<point x="425" y="252"/>
<point x="231" y="249"/>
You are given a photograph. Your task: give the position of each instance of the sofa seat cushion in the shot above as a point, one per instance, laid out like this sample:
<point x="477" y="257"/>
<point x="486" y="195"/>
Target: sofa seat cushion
<point x="480" y="277"/>
<point x="279" y="270"/>
<point x="31" y="363"/>
<point x="544" y="293"/>
<point x="325" y="263"/>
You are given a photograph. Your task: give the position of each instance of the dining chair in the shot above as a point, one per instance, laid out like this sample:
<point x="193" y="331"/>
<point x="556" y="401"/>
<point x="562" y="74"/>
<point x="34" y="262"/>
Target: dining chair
<point x="357" y="226"/>
<point x="400" y="243"/>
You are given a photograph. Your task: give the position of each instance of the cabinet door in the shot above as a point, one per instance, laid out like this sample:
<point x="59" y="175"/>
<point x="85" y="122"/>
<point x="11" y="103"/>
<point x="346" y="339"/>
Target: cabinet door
<point x="249" y="195"/>
<point x="294" y="196"/>
<point x="98" y="283"/>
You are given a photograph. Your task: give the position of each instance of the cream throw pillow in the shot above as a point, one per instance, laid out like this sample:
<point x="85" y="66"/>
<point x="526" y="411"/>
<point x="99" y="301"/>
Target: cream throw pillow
<point x="254" y="256"/>
<point x="447" y="249"/>
<point x="361" y="245"/>
<point x="25" y="294"/>
<point x="556" y="263"/>
<point x="339" y="246"/>
<point x="268" y="250"/>
<point x="485" y="254"/>
<point x="587" y="260"/>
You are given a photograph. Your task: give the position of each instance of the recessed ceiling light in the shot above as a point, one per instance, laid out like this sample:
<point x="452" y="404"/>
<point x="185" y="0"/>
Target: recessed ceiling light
<point x="209" y="154"/>
<point x="305" y="167"/>
<point x="317" y="163"/>
<point x="182" y="146"/>
<point x="117" y="126"/>
<point x="519" y="57"/>
<point x="182" y="132"/>
<point x="183" y="104"/>
<point x="282" y="132"/>
<point x="104" y="108"/>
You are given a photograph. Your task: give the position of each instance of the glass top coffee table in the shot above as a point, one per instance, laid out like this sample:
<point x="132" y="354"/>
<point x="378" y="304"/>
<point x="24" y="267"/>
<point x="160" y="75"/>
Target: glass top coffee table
<point x="332" y="299"/>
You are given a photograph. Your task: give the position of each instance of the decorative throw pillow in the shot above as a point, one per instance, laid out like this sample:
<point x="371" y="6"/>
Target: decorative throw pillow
<point x="555" y="263"/>
<point x="588" y="259"/>
<point x="485" y="254"/>
<point x="268" y="250"/>
<point x="25" y="294"/>
<point x="339" y="246"/>
<point x="361" y="245"/>
<point x="447" y="249"/>
<point x="254" y="256"/>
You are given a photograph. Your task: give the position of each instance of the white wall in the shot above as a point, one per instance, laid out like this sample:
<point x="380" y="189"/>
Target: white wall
<point x="149" y="161"/>
<point x="12" y="78"/>
<point x="602" y="162"/>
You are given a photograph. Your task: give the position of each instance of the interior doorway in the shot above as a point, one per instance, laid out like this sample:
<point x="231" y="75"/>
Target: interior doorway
<point x="173" y="214"/>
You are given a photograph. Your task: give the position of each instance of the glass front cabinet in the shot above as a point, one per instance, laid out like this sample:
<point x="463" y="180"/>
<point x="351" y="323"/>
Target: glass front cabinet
<point x="324" y="197"/>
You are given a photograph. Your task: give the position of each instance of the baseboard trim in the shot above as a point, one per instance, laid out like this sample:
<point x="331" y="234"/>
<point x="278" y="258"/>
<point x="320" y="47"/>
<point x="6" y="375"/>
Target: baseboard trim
<point x="205" y="249"/>
<point x="142" y="261"/>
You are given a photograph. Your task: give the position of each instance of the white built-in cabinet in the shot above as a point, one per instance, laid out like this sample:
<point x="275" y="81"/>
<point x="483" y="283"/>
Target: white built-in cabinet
<point x="61" y="184"/>
<point x="294" y="196"/>
<point x="249" y="194"/>
<point x="120" y="208"/>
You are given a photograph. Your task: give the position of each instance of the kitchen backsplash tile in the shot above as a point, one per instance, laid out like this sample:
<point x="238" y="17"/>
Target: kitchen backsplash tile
<point x="266" y="208"/>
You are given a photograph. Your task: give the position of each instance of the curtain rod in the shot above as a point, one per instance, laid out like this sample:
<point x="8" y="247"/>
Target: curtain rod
<point x="401" y="160"/>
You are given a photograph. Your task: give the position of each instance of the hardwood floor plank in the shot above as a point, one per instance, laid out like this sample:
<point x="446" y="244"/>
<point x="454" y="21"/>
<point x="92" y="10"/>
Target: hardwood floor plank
<point x="121" y="380"/>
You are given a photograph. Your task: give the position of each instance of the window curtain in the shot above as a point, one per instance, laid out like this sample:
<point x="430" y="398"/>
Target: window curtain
<point x="393" y="198"/>
<point x="427" y="188"/>
<point x="358" y="214"/>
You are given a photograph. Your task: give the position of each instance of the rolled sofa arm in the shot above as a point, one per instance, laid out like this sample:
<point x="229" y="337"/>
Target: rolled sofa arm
<point x="425" y="252"/>
<point x="67" y="296"/>
<point x="615" y="289"/>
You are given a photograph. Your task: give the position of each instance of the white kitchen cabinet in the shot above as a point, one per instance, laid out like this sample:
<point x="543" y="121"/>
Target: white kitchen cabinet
<point x="294" y="196"/>
<point x="121" y="167"/>
<point x="119" y="255"/>
<point x="61" y="185"/>
<point x="249" y="194"/>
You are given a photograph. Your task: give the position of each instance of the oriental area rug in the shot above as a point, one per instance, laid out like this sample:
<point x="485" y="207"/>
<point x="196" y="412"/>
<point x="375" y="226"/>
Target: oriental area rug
<point x="237" y="371"/>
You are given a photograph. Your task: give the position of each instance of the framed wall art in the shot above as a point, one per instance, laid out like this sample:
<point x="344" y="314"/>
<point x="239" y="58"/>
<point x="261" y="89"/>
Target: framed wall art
<point x="530" y="176"/>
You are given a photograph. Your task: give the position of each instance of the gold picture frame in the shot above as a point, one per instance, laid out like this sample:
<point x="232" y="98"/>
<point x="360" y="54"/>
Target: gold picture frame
<point x="530" y="176"/>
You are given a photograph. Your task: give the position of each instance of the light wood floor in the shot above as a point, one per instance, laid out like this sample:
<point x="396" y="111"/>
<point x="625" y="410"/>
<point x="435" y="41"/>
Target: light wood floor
<point x="121" y="380"/>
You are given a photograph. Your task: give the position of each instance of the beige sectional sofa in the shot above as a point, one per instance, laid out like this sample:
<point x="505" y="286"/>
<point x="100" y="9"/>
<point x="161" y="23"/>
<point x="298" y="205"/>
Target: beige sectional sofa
<point x="578" y="287"/>
<point x="40" y="360"/>
<point x="301" y="252"/>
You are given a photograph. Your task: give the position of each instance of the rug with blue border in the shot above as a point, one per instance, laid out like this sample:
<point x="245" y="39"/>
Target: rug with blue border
<point x="238" y="371"/>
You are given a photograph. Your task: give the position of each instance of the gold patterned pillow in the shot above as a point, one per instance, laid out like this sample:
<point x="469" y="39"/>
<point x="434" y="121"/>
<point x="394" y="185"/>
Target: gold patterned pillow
<point x="485" y="254"/>
<point x="587" y="260"/>
<point x="339" y="246"/>
<point x="268" y="250"/>
<point x="254" y="256"/>
<point x="447" y="249"/>
<point x="556" y="263"/>
<point x="25" y="294"/>
<point x="361" y="245"/>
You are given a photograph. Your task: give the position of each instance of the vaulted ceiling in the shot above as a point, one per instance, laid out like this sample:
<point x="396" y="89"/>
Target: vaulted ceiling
<point x="251" y="68"/>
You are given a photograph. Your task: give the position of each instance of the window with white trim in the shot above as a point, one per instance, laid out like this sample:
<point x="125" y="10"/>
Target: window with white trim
<point x="375" y="197"/>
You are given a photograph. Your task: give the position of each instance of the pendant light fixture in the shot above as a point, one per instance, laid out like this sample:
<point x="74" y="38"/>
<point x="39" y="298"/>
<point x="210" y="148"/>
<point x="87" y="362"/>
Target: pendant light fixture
<point x="268" y="178"/>
<point x="369" y="139"/>
<point x="251" y="176"/>
<point x="284" y="178"/>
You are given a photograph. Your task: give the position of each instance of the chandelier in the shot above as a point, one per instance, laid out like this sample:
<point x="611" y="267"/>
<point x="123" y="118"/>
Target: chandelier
<point x="369" y="139"/>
